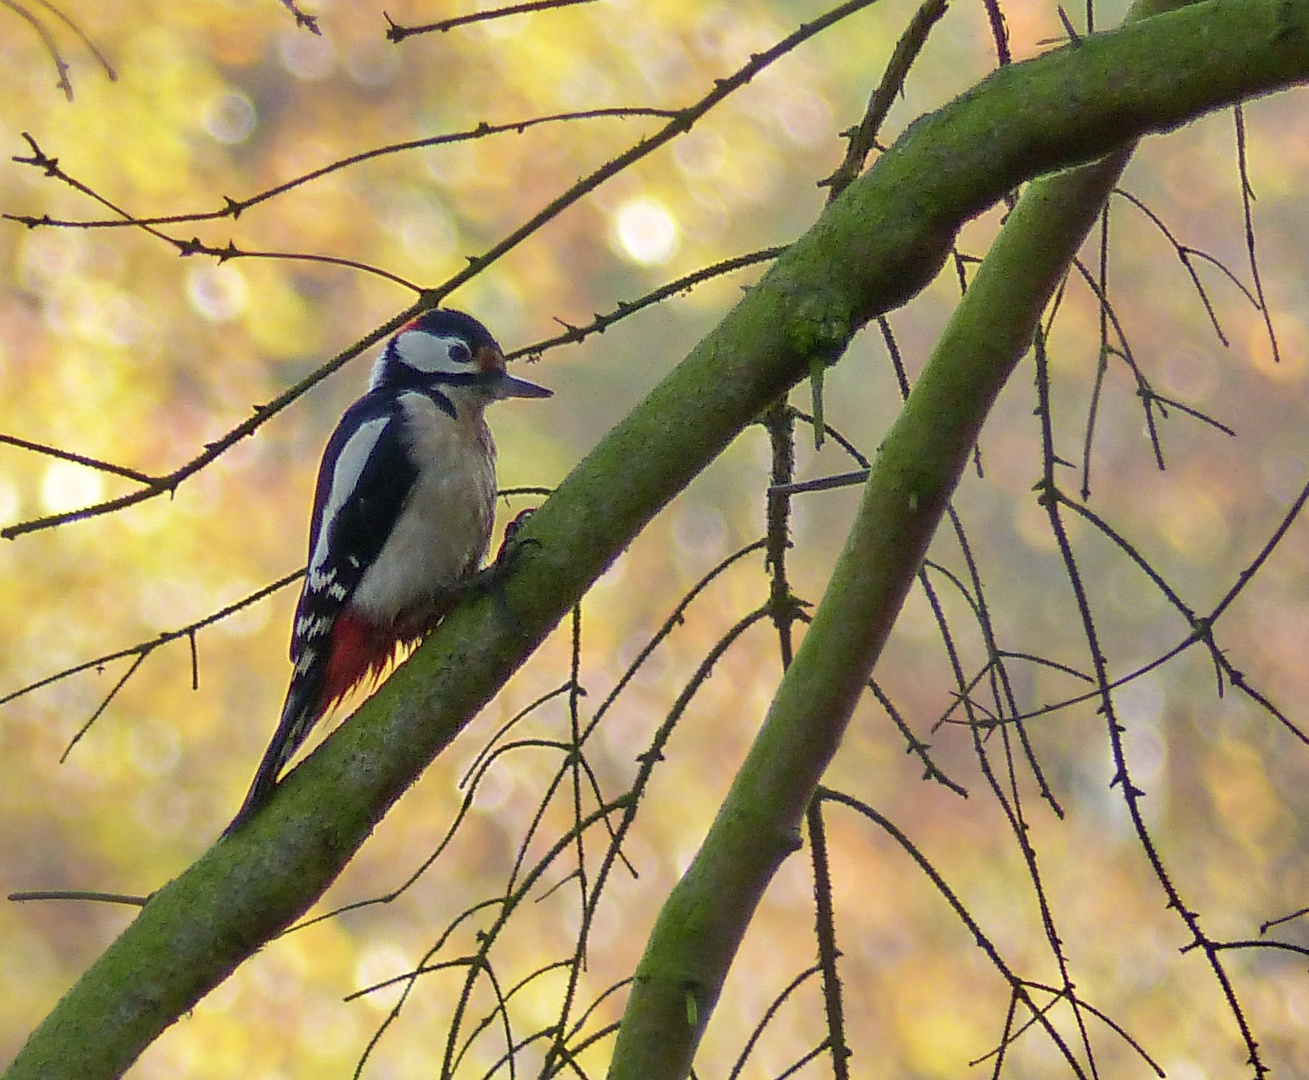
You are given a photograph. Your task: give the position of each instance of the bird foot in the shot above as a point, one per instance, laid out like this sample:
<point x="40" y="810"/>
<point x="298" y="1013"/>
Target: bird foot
<point x="490" y="580"/>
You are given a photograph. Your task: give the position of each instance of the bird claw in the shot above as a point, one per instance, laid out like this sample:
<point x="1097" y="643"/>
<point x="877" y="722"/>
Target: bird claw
<point x="490" y="580"/>
<point x="511" y="544"/>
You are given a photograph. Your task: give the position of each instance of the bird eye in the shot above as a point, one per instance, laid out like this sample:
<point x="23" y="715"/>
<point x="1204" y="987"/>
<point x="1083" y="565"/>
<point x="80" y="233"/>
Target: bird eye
<point x="460" y="353"/>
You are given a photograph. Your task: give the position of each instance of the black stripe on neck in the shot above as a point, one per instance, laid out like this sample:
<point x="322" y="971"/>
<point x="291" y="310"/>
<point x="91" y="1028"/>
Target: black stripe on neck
<point x="442" y="402"/>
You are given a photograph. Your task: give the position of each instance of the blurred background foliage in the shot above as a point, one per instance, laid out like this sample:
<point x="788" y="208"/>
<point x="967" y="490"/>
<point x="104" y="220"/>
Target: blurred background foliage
<point x="113" y="347"/>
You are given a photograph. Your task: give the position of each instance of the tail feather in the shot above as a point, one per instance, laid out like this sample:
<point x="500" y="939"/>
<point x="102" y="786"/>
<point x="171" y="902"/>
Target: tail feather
<point x="304" y="705"/>
<point x="323" y="676"/>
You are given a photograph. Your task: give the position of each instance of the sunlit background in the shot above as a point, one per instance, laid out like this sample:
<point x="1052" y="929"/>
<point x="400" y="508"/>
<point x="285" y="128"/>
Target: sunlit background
<point x="114" y="347"/>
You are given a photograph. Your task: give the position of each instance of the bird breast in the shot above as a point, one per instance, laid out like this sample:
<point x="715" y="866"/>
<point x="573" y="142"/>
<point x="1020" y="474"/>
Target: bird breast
<point x="444" y="528"/>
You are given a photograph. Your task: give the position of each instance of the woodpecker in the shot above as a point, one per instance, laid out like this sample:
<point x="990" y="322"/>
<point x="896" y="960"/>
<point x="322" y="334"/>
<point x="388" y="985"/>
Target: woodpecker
<point x="402" y="518"/>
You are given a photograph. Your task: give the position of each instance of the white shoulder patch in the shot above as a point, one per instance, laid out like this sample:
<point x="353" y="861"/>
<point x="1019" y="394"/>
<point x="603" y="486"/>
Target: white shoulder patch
<point x="345" y="479"/>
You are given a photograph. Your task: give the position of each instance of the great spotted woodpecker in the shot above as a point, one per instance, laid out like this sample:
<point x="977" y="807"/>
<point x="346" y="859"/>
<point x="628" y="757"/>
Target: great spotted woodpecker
<point x="402" y="517"/>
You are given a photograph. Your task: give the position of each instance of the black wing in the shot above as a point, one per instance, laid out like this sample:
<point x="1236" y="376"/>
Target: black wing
<point x="363" y="482"/>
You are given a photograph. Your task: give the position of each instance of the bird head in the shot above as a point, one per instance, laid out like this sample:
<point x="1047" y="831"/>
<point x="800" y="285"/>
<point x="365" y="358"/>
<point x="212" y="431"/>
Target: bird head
<point x="449" y="351"/>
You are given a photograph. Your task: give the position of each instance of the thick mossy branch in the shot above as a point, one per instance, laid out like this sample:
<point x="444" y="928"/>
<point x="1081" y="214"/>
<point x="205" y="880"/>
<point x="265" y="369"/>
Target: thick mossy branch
<point x="872" y="249"/>
<point x="701" y="925"/>
<point x="704" y="919"/>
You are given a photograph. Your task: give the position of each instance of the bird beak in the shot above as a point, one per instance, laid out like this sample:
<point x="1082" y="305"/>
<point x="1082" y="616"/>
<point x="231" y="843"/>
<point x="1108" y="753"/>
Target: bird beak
<point x="504" y="385"/>
<point x="509" y="386"/>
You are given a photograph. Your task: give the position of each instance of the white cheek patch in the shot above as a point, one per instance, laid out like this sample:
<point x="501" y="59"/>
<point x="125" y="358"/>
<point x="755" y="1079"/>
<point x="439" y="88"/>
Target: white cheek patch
<point x="430" y="355"/>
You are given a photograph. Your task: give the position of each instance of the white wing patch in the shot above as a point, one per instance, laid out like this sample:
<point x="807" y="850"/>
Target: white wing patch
<point x="308" y="626"/>
<point x="345" y="479"/>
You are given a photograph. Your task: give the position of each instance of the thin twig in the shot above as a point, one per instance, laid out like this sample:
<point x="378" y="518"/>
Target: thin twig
<point x="234" y="208"/>
<point x="397" y="33"/>
<point x="862" y="139"/>
<point x="1247" y="211"/>
<point x="302" y="20"/>
<point x="143" y="648"/>
<point x="79" y="459"/>
<point x="78" y="894"/>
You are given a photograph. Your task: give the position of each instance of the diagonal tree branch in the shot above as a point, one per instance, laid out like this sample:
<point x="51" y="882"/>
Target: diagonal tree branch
<point x="702" y="924"/>
<point x="872" y="249"/>
<point x="908" y="490"/>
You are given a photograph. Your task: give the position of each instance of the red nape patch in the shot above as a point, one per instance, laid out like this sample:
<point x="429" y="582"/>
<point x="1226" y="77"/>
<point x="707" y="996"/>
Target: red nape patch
<point x="359" y="649"/>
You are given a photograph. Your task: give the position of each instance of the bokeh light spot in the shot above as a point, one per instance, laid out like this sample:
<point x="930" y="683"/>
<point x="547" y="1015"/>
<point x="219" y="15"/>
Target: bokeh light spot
<point x="69" y="486"/>
<point x="1190" y="374"/>
<point x="51" y="258"/>
<point x="700" y="153"/>
<point x="805" y="118"/>
<point x="219" y="293"/>
<point x="229" y="117"/>
<point x="645" y="231"/>
<point x="699" y="534"/>
<point x="154" y="749"/>
<point x="1282" y="472"/>
<point x="309" y="57"/>
<point x="377" y="964"/>
<point x="372" y="64"/>
<point x="1193" y="523"/>
<point x="1292" y="346"/>
<point x="423" y="225"/>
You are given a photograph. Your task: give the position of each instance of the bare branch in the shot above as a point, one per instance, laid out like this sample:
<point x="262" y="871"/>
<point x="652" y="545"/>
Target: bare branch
<point x="144" y="648"/>
<point x="574" y="334"/>
<point x="303" y="21"/>
<point x="863" y="138"/>
<point x="79" y="459"/>
<point x="51" y="46"/>
<point x="78" y="894"/>
<point x="1247" y="209"/>
<point x="397" y="33"/>
<point x="234" y="208"/>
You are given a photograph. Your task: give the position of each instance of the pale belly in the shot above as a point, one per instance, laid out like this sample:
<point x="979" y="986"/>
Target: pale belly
<point x="444" y="530"/>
